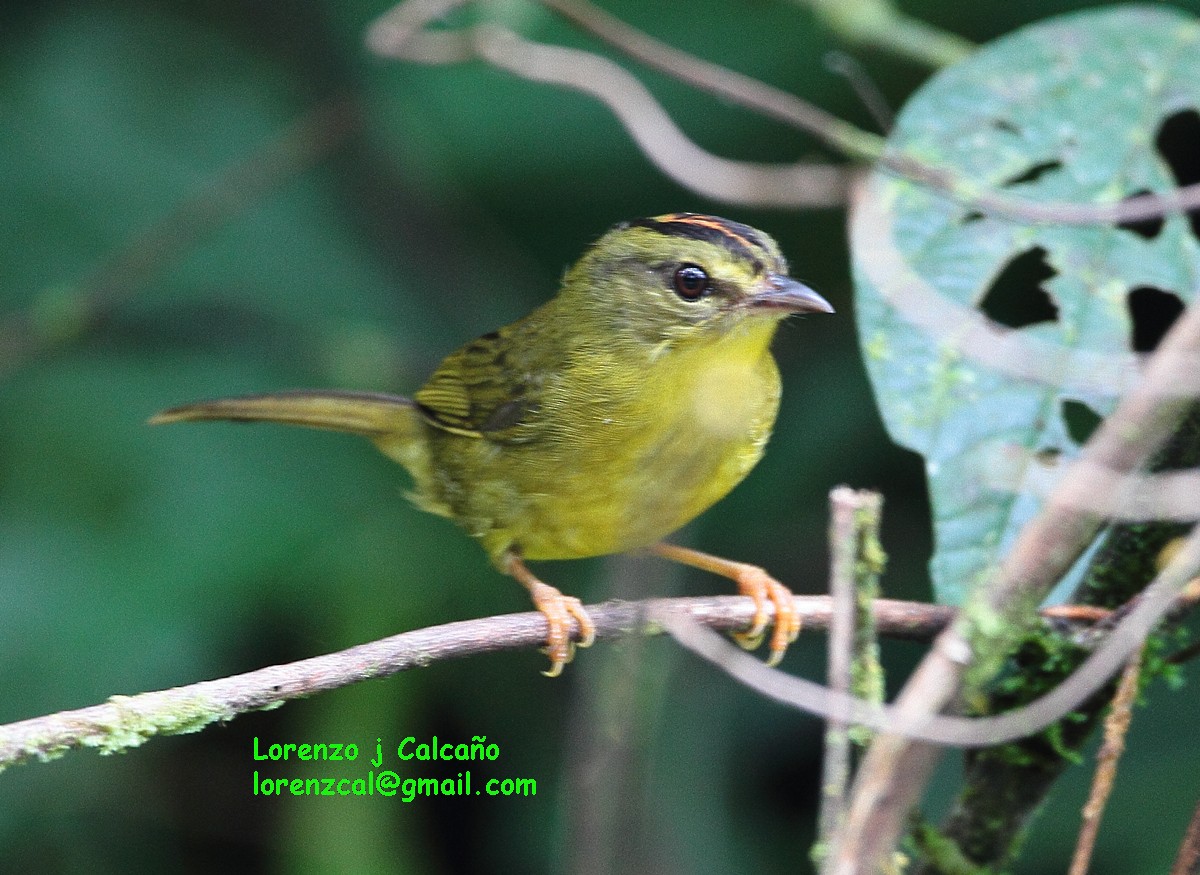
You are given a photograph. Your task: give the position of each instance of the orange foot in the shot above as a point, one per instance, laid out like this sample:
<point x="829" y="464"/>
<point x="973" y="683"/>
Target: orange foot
<point x="559" y="610"/>
<point x="760" y="586"/>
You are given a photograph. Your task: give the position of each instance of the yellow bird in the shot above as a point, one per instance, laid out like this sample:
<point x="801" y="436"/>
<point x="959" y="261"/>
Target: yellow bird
<point x="601" y="422"/>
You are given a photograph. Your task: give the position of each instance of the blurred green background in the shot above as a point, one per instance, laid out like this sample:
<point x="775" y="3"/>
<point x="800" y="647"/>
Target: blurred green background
<point x="445" y="202"/>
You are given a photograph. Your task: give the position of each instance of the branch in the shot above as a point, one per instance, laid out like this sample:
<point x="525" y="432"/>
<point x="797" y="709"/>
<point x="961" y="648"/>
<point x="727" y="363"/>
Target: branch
<point x="802" y="184"/>
<point x="856" y="563"/>
<point x="902" y="720"/>
<point x="737" y="88"/>
<point x="843" y="556"/>
<point x="1003" y="787"/>
<point x="1116" y="727"/>
<point x="879" y="24"/>
<point x="848" y="139"/>
<point x="401" y="33"/>
<point x="1169" y="496"/>
<point x="127" y="721"/>
<point x="1187" y="862"/>
<point x="896" y="768"/>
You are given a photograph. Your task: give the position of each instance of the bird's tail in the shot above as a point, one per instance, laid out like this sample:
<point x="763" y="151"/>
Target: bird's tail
<point x="366" y="413"/>
<point x="394" y="424"/>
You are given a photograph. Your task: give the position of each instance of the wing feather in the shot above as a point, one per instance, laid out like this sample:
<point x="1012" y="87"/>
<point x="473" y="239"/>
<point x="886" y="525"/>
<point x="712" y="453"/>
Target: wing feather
<point x="480" y="391"/>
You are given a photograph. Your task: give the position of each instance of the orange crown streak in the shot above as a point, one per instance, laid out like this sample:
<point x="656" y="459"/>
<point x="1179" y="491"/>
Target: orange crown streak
<point x="705" y="222"/>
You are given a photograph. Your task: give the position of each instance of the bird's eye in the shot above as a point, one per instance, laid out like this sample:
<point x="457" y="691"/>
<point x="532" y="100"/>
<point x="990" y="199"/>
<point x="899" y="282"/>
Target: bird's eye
<point x="691" y="282"/>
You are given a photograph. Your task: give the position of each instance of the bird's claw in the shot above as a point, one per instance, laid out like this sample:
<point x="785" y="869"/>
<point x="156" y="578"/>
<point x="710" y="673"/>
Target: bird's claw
<point x="762" y="587"/>
<point x="559" y="610"/>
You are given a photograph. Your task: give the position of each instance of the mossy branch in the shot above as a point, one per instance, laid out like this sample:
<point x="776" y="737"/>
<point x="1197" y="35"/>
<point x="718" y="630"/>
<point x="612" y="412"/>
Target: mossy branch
<point x="976" y="645"/>
<point x="857" y="560"/>
<point x="124" y="722"/>
<point x="1003" y="787"/>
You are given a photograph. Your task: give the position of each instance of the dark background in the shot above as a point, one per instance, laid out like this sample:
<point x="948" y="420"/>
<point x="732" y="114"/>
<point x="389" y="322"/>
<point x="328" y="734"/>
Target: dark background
<point x="134" y="558"/>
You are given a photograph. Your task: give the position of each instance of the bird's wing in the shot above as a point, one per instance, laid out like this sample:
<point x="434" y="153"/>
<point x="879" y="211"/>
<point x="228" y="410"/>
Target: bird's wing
<point x="479" y="391"/>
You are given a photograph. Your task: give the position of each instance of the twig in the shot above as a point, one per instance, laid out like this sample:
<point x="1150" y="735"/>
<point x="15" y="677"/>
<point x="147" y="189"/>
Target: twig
<point x="852" y="141"/>
<point x="879" y="24"/>
<point x="127" y="721"/>
<point x="866" y="674"/>
<point x="803" y="184"/>
<point x="896" y="768"/>
<point x="715" y="79"/>
<point x="1076" y="613"/>
<point x="904" y="721"/>
<point x="1163" y="496"/>
<point x="60" y="315"/>
<point x="835" y="766"/>
<point x="1187" y="862"/>
<point x="853" y="585"/>
<point x="1116" y="727"/>
<point x="1004" y="787"/>
<point x="863" y="86"/>
<point x="401" y="33"/>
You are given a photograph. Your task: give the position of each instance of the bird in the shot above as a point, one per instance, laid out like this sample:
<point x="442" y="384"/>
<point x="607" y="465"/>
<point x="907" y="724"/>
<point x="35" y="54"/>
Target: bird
<point x="602" y="422"/>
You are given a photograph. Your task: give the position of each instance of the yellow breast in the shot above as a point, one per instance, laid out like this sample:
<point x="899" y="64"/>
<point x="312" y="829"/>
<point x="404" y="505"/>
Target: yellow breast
<point x="630" y="453"/>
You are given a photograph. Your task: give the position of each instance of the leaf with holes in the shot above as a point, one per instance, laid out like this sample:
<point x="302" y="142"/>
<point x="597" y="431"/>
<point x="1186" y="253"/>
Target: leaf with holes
<point x="996" y="347"/>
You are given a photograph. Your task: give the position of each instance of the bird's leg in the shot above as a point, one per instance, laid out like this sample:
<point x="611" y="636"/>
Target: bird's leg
<point x="558" y="609"/>
<point x="756" y="583"/>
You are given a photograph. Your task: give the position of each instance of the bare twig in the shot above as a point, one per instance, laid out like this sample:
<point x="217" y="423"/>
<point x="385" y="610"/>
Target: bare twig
<point x="127" y="721"/>
<point x="1121" y="497"/>
<point x="1134" y="209"/>
<point x="864" y="87"/>
<point x="401" y="33"/>
<point x="852" y="141"/>
<point x="803" y="184"/>
<point x="1076" y="613"/>
<point x="61" y="315"/>
<point x="1187" y="862"/>
<point x="714" y="79"/>
<point x="1116" y="727"/>
<point x="879" y="24"/>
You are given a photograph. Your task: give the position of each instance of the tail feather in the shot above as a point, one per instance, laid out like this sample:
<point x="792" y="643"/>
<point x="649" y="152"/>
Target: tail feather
<point x="369" y="414"/>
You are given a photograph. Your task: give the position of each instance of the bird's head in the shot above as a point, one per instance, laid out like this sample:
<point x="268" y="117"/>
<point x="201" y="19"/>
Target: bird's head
<point x="684" y="277"/>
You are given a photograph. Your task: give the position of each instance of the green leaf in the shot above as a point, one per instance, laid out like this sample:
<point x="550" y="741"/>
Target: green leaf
<point x="994" y="346"/>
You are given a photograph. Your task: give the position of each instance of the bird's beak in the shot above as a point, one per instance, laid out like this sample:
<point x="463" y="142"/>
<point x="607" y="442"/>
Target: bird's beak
<point x="784" y="293"/>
